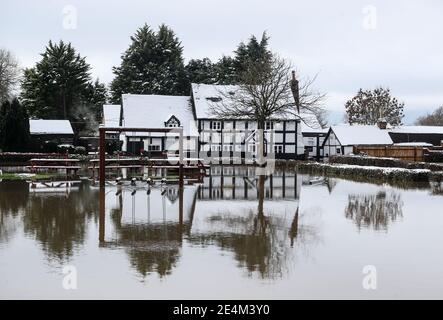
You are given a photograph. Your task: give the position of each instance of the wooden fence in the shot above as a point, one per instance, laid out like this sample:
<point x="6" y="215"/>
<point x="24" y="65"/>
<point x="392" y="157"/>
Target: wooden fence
<point x="408" y="153"/>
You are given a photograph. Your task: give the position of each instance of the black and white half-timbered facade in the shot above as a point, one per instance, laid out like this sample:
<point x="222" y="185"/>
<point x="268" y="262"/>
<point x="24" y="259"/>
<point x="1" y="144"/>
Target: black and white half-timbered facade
<point x="234" y="137"/>
<point x="205" y="135"/>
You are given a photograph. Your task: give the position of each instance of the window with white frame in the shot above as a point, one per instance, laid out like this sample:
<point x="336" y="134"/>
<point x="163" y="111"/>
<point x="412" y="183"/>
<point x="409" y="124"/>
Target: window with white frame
<point x="216" y="147"/>
<point x="338" y="150"/>
<point x="278" y="149"/>
<point x="228" y="147"/>
<point x="251" y="148"/>
<point x="153" y="147"/>
<point x="268" y="125"/>
<point x="216" y="125"/>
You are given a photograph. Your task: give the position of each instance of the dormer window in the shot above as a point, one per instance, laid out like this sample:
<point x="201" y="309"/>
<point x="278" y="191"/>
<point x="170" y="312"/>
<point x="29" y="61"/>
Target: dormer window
<point x="172" y="122"/>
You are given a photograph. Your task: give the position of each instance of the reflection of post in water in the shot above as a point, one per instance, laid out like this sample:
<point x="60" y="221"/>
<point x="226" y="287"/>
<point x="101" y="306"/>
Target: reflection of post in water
<point x="293" y="232"/>
<point x="261" y="194"/>
<point x="180" y="214"/>
<point x="101" y="225"/>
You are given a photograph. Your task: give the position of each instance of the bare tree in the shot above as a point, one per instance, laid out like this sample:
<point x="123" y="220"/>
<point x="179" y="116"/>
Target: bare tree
<point x="267" y="92"/>
<point x="433" y="119"/>
<point x="9" y="74"/>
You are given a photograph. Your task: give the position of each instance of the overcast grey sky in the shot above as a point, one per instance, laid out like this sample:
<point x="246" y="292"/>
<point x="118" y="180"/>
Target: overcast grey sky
<point x="343" y="41"/>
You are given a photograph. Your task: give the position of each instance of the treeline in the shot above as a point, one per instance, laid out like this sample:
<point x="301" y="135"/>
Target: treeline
<point x="60" y="85"/>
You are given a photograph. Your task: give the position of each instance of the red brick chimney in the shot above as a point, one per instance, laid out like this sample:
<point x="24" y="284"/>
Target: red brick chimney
<point x="382" y="123"/>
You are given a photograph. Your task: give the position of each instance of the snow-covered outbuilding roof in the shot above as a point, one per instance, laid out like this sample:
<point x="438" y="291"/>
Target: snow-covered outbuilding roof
<point x="111" y="115"/>
<point x="418" y="129"/>
<point x="349" y="135"/>
<point x="152" y="111"/>
<point x="50" y="127"/>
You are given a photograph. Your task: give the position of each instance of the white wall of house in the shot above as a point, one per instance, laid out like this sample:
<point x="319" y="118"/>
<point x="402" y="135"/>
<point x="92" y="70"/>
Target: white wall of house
<point x="332" y="147"/>
<point x="313" y="144"/>
<point x="217" y="136"/>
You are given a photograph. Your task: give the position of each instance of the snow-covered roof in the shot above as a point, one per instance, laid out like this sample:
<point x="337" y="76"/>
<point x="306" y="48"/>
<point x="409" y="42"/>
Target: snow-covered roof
<point x="413" y="144"/>
<point x="50" y="127"/>
<point x="111" y="115"/>
<point x="207" y="96"/>
<point x="361" y="135"/>
<point x="418" y="129"/>
<point x="309" y="123"/>
<point x="151" y="111"/>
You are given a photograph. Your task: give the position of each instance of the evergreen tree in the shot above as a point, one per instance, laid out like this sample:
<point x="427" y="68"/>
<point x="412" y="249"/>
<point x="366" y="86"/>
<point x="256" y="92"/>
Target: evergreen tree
<point x="201" y="71"/>
<point x="57" y="83"/>
<point x="14" y="127"/>
<point x="96" y="96"/>
<point x="369" y="106"/>
<point x="252" y="52"/>
<point x="225" y="71"/>
<point x="153" y="64"/>
<point x="87" y="113"/>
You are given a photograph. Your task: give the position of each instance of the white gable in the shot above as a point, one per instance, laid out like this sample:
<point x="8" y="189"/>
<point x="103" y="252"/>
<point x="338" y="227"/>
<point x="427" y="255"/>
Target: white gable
<point x="50" y="127"/>
<point x="111" y="115"/>
<point x="361" y="135"/>
<point x="152" y="111"/>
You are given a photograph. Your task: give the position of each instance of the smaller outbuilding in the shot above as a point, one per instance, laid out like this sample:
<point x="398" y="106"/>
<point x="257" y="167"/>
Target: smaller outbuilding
<point x="342" y="139"/>
<point x="313" y="136"/>
<point x="417" y="134"/>
<point x="47" y="134"/>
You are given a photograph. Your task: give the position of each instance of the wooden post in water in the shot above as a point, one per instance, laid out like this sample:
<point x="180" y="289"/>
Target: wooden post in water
<point x="101" y="224"/>
<point x="102" y="155"/>
<point x="180" y="157"/>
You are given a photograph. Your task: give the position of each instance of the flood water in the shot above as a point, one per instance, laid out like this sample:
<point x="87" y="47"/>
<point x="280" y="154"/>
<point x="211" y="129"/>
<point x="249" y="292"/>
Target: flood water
<point x="235" y="236"/>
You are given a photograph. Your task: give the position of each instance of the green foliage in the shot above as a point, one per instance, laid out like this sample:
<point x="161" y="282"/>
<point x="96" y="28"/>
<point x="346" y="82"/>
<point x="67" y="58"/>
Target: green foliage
<point x="57" y="84"/>
<point x="369" y="106"/>
<point x="201" y="71"/>
<point x="230" y="70"/>
<point x="14" y="127"/>
<point x="153" y="64"/>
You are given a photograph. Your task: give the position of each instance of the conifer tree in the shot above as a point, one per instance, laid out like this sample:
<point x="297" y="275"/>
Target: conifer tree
<point x="153" y="64"/>
<point x="57" y="83"/>
<point x="14" y="127"/>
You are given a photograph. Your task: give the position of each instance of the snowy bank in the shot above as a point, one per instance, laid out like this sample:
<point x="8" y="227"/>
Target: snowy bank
<point x="384" y="162"/>
<point x="371" y="172"/>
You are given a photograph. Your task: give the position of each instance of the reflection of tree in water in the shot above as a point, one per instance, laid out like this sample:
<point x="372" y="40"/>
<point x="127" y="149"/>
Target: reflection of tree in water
<point x="13" y="200"/>
<point x="261" y="242"/>
<point x="59" y="221"/>
<point x="151" y="247"/>
<point x="374" y="210"/>
<point x="436" y="188"/>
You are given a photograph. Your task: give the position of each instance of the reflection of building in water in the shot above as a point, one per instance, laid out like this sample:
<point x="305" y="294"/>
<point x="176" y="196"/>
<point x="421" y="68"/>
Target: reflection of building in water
<point x="255" y="217"/>
<point x="235" y="182"/>
<point x="374" y="211"/>
<point x="261" y="229"/>
<point x="150" y="225"/>
<point x="57" y="220"/>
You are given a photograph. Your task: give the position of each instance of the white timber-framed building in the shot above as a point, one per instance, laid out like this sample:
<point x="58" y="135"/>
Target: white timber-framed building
<point x="341" y="139"/>
<point x="204" y="134"/>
